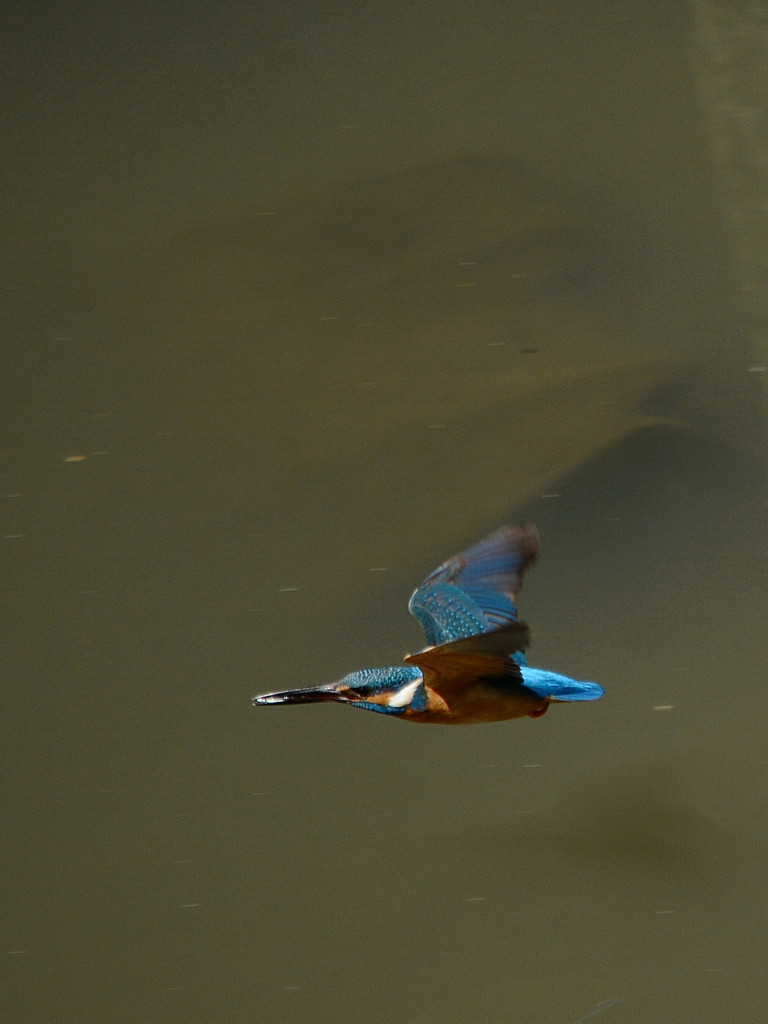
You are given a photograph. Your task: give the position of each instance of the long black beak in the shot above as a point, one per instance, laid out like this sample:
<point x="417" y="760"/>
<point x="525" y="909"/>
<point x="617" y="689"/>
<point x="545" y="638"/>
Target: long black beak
<point x="308" y="695"/>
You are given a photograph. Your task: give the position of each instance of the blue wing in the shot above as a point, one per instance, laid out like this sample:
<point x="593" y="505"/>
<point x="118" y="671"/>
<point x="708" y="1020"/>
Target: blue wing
<point x="474" y="592"/>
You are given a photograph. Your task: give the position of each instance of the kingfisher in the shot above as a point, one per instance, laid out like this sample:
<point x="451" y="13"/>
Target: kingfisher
<point x="473" y="668"/>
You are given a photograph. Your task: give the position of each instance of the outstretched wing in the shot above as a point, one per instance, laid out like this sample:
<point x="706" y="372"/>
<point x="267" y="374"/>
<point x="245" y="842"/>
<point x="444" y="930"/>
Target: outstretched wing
<point x="474" y="592"/>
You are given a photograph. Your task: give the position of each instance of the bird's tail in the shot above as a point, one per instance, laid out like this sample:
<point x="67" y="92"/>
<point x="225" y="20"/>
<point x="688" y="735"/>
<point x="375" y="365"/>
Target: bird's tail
<point x="557" y="687"/>
<point x="305" y="695"/>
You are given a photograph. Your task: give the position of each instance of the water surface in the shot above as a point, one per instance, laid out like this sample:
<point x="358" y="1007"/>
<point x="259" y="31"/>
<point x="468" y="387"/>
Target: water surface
<point x="300" y="303"/>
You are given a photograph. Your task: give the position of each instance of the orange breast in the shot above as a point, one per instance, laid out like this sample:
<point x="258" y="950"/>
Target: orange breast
<point x="475" y="703"/>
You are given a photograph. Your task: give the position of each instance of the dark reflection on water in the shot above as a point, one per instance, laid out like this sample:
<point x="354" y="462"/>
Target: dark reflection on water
<point x="630" y="825"/>
<point x="263" y="485"/>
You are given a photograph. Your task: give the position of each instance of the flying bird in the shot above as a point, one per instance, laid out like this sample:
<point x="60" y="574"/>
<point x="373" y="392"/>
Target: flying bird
<point x="473" y="669"/>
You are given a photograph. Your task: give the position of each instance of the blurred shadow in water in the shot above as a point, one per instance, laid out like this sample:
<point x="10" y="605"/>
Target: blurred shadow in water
<point x="444" y="342"/>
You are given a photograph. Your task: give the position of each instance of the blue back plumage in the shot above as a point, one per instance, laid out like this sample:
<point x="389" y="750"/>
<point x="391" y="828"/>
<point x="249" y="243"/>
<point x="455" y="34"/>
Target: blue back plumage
<point x="474" y="592"/>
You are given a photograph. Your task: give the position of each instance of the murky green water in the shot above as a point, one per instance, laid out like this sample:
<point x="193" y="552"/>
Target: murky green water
<point x="299" y="303"/>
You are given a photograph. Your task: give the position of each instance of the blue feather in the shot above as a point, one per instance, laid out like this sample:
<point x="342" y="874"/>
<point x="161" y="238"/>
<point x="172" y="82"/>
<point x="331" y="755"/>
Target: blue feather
<point x="557" y="687"/>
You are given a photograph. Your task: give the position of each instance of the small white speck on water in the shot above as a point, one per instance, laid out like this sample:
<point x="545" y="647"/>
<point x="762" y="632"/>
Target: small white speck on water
<point x="550" y="495"/>
<point x="379" y="568"/>
<point x="531" y="766"/>
<point x="75" y="458"/>
<point x="287" y="590"/>
<point x="436" y="426"/>
<point x="662" y="913"/>
<point x="663" y="707"/>
<point x="324" y="318"/>
<point x="758" y="369"/>
<point x="189" y="906"/>
<point x="291" y="988"/>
